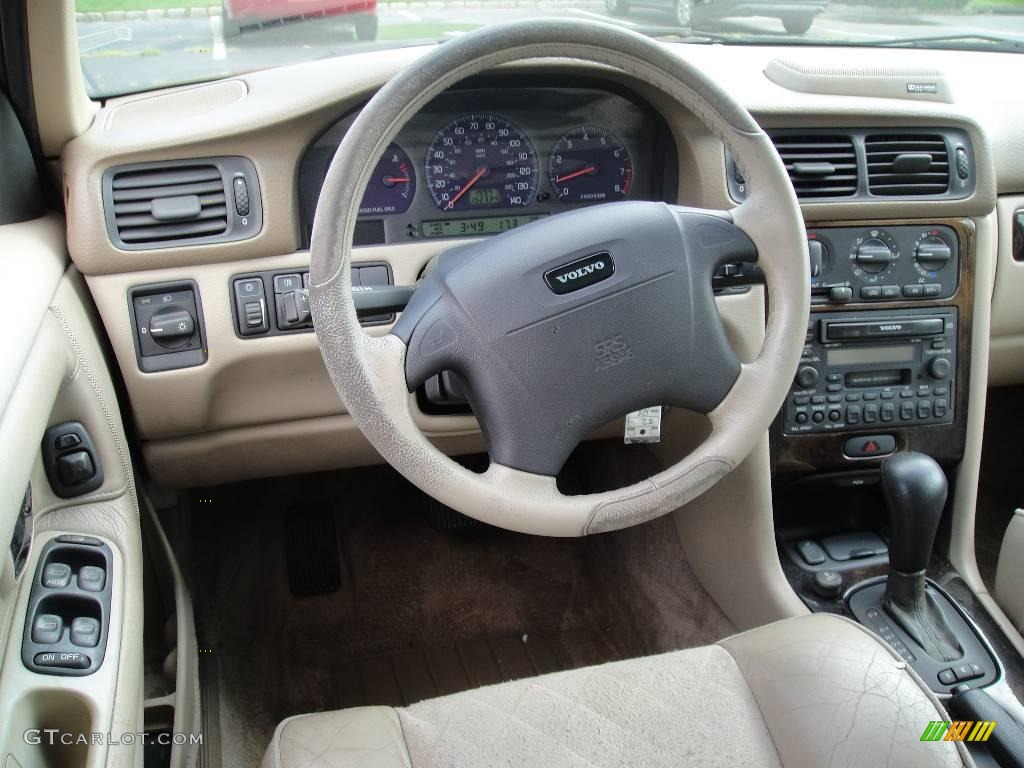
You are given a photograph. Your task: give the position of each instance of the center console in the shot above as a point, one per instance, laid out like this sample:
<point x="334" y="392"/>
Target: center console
<point x="886" y="356"/>
<point x="874" y="420"/>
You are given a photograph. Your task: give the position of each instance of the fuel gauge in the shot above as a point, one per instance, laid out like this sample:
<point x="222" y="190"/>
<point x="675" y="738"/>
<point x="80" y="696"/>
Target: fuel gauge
<point x="392" y="185"/>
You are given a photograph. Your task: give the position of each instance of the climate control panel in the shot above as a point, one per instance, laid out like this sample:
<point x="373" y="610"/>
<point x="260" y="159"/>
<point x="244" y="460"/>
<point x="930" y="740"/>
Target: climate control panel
<point x="877" y="264"/>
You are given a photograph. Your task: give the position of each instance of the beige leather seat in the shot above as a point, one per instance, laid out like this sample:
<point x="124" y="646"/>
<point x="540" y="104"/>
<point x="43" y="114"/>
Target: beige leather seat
<point x="812" y="691"/>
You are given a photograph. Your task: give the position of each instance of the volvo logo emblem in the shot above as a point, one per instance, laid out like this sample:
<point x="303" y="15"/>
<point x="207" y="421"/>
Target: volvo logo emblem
<point x="580" y="273"/>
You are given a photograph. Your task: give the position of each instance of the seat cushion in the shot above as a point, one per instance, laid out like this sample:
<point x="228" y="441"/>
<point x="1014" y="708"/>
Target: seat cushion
<point x="811" y="691"/>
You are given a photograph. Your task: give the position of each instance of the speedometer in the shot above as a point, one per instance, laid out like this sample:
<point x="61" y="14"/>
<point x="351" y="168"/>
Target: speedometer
<point x="478" y="162"/>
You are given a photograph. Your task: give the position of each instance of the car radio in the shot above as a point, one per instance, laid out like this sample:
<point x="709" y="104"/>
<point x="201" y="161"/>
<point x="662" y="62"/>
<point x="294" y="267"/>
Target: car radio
<point x="863" y="370"/>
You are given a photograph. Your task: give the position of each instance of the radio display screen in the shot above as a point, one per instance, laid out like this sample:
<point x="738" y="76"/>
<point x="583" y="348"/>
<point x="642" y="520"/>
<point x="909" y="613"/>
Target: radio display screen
<point x="902" y="353"/>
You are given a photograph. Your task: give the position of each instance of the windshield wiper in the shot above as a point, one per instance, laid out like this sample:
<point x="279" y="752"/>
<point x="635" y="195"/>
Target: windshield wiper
<point x="997" y="42"/>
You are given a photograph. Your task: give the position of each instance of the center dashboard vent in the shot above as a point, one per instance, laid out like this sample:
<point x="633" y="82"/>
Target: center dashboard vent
<point x="159" y="205"/>
<point x="907" y="164"/>
<point x="819" y="165"/>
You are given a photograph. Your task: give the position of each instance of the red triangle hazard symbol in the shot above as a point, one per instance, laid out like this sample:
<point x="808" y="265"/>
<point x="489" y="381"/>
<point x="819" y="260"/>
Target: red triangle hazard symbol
<point x="870" y="447"/>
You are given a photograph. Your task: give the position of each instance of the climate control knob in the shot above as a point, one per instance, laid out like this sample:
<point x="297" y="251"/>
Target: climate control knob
<point x="874" y="255"/>
<point x="807" y="377"/>
<point x="933" y="253"/>
<point x="939" y="368"/>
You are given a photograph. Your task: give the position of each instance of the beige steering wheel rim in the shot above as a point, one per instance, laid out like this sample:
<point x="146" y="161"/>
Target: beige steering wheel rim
<point x="368" y="371"/>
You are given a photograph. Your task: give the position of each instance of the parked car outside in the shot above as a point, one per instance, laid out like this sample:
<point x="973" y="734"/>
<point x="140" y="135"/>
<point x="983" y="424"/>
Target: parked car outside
<point x="796" y="15"/>
<point x="237" y="15"/>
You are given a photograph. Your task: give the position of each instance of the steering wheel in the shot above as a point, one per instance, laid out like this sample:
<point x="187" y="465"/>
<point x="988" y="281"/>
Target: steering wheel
<point x="563" y="324"/>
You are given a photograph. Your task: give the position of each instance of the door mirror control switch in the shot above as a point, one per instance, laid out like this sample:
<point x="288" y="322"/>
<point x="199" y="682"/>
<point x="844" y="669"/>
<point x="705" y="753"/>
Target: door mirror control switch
<point x="71" y="460"/>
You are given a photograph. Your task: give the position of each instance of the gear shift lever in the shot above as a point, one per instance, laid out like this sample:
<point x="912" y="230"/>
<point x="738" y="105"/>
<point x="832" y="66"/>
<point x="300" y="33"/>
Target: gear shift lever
<point x="914" y="488"/>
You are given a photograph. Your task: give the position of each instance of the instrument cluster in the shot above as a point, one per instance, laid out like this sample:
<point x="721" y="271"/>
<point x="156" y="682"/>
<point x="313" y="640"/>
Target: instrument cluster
<point x="481" y="161"/>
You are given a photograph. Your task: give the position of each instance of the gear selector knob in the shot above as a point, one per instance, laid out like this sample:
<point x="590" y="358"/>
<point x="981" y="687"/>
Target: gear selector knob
<point x="914" y="487"/>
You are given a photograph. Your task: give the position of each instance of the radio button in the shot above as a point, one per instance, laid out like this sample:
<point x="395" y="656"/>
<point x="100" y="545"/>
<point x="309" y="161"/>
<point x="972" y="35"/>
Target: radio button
<point x="932" y="289"/>
<point x="940" y="409"/>
<point x="907" y="411"/>
<point x="870" y="395"/>
<point x="853" y="414"/>
<point x="939" y="344"/>
<point x="888" y="395"/>
<point x="801" y="400"/>
<point x="940" y="391"/>
<point x="923" y="390"/>
<point x="914" y="291"/>
<point x="818" y="417"/>
<point x="818" y="399"/>
<point x="871" y="292"/>
<point x="924" y="409"/>
<point x="834" y="388"/>
<point x="853" y="397"/>
<point x="870" y="414"/>
<point x="835" y="398"/>
<point x="834" y="415"/>
<point x="800" y="418"/>
<point x="807" y="377"/>
<point x="889" y="411"/>
<point x="890" y="291"/>
<point x="939" y="368"/>
<point x="833" y="377"/>
<point x="907" y="393"/>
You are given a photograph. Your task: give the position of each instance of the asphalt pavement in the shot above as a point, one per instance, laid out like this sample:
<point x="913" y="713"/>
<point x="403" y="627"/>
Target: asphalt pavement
<point x="132" y="55"/>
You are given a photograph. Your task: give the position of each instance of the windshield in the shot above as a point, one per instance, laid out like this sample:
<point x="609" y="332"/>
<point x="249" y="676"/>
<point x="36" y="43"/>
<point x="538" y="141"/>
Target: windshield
<point x="137" y="45"/>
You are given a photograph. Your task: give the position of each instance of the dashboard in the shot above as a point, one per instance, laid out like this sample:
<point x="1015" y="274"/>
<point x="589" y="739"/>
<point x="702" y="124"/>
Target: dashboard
<point x="482" y="160"/>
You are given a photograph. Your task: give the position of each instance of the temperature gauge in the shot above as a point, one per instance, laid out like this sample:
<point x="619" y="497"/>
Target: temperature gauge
<point x="391" y="186"/>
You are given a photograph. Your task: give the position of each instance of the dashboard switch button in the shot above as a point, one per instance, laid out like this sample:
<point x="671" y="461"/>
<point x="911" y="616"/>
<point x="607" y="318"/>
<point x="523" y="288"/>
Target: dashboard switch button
<point x="47" y="628"/>
<point x="56" y="575"/>
<point x="241" y="192"/>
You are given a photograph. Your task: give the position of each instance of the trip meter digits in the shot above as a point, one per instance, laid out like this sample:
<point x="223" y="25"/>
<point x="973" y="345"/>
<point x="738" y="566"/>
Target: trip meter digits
<point x="478" y="162"/>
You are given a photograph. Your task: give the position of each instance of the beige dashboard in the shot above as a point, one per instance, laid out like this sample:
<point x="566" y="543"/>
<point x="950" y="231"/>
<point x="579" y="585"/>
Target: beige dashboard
<point x="266" y="406"/>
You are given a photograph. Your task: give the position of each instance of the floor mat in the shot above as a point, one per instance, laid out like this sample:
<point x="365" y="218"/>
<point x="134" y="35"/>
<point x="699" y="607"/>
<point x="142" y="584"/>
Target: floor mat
<point x="419" y="612"/>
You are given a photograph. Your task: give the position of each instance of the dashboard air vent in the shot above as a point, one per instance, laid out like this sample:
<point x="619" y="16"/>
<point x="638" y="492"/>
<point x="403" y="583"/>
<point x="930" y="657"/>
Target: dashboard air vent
<point x="174" y="203"/>
<point x="819" y="165"/>
<point x="182" y="202"/>
<point x="907" y="164"/>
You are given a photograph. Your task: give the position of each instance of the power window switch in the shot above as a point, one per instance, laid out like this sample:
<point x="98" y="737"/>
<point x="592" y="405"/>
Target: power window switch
<point x="85" y="632"/>
<point x="56" y="575"/>
<point x="91" y="578"/>
<point x="47" y="628"/>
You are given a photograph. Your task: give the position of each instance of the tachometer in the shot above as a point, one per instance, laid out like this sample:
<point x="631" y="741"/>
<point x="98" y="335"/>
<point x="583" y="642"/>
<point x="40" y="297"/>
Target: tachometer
<point x="391" y="186"/>
<point x="589" y="164"/>
<point x="478" y="162"/>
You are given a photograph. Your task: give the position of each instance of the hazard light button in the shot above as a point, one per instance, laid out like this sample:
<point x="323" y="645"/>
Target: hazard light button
<point x="869" y="446"/>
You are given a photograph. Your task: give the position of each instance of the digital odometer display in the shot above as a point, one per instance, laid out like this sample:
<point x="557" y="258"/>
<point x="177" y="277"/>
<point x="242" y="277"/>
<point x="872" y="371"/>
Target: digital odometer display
<point x="478" y="162"/>
<point x="486" y="225"/>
